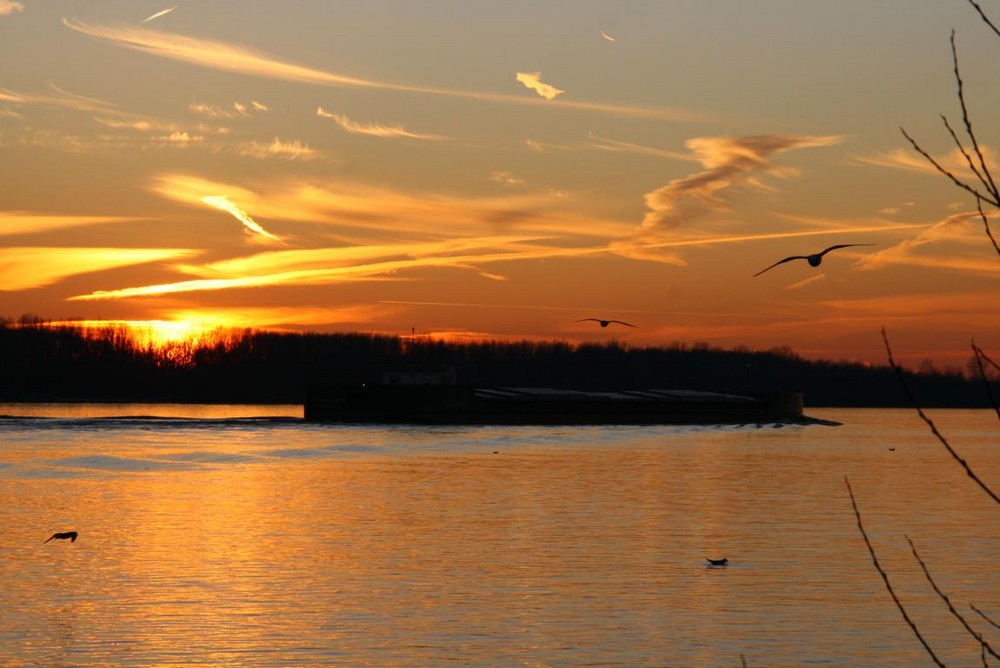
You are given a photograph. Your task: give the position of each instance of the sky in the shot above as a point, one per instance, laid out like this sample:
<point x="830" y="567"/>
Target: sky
<point x="476" y="170"/>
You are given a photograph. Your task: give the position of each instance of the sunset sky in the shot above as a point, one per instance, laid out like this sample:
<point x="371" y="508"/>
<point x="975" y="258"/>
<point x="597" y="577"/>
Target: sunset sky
<point x="472" y="169"/>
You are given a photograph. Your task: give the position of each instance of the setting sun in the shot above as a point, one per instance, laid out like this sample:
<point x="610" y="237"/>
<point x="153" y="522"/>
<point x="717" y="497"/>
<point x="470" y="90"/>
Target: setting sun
<point x="206" y="167"/>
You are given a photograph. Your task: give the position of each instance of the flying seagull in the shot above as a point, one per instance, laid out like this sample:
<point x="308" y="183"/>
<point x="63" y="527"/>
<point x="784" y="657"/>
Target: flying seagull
<point x="605" y="323"/>
<point x="813" y="259"/>
<point x="62" y="536"/>
<point x="718" y="562"/>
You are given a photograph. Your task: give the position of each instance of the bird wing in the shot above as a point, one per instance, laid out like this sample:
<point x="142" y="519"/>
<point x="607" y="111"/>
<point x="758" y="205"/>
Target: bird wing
<point x="586" y="319"/>
<point x="824" y="252"/>
<point x="50" y="538"/>
<point x="787" y="259"/>
<point x="622" y="322"/>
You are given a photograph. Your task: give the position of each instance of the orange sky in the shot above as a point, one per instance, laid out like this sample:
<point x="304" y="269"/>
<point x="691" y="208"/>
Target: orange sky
<point x="501" y="170"/>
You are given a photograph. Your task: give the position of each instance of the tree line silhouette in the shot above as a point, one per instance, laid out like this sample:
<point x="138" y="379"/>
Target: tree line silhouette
<point x="44" y="362"/>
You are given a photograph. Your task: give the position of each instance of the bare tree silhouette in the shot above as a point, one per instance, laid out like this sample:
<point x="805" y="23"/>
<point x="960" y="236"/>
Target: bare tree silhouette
<point x="984" y="190"/>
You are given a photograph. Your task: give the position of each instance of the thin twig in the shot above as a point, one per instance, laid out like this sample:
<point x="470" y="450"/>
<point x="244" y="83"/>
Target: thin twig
<point x="980" y="356"/>
<point x="983" y="615"/>
<point x="965" y="153"/>
<point x="990" y="185"/>
<point x="951" y="608"/>
<point x="933" y="427"/>
<point x="954" y="179"/>
<point x="982" y="14"/>
<point x="986" y="225"/>
<point x="885" y="577"/>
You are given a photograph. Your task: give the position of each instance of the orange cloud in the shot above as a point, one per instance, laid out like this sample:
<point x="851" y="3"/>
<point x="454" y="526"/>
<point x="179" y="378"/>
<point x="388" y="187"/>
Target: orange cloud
<point x="231" y="58"/>
<point x="374" y="129"/>
<point x="34" y="267"/>
<point x="532" y="81"/>
<point x="21" y="222"/>
<point x="10" y="6"/>
<point x="223" y="203"/>
<point x="728" y="162"/>
<point x="293" y="150"/>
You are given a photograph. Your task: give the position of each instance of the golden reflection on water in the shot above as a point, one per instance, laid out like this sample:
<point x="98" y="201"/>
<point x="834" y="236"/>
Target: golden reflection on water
<point x="566" y="547"/>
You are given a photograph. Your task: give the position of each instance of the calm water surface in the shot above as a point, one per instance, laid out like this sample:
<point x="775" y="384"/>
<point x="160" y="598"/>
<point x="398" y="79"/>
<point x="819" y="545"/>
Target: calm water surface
<point x="213" y="536"/>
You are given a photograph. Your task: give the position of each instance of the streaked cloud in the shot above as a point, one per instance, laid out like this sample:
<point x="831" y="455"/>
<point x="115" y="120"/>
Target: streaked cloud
<point x="364" y="214"/>
<point x="607" y="36"/>
<point x="24" y="268"/>
<point x="23" y="222"/>
<point x="910" y="160"/>
<point x="222" y="202"/>
<point x="10" y="6"/>
<point x="231" y="58"/>
<point x="158" y="14"/>
<point x="58" y="98"/>
<point x="321" y="266"/>
<point x="957" y="241"/>
<point x="533" y="81"/>
<point x="286" y="150"/>
<point x="506" y="178"/>
<point x="236" y="110"/>
<point x="728" y="162"/>
<point x="374" y="129"/>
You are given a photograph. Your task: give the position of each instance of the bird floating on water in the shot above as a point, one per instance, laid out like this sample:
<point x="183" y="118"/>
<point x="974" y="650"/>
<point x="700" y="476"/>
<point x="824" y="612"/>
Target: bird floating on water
<point x="814" y="260"/>
<point x="718" y="562"/>
<point x="63" y="536"/>
<point x="605" y="323"/>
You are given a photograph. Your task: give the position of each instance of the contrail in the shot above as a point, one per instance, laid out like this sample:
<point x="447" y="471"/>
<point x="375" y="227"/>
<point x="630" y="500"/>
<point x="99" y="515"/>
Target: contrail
<point x="222" y="202"/>
<point x="573" y="308"/>
<point x="159" y="14"/>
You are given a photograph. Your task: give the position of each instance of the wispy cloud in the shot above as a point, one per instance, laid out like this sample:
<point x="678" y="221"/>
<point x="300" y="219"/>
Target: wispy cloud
<point x="607" y="36"/>
<point x="728" y="162"/>
<point x="236" y="110"/>
<point x="338" y="265"/>
<point x="955" y="239"/>
<point x="24" y="268"/>
<point x="10" y="6"/>
<point x="59" y="98"/>
<point x="953" y="161"/>
<point x="23" y="222"/>
<point x="158" y="14"/>
<point x="506" y="178"/>
<point x="286" y="150"/>
<point x="222" y="202"/>
<point x="365" y="214"/>
<point x="232" y="58"/>
<point x="533" y="81"/>
<point x="374" y="129"/>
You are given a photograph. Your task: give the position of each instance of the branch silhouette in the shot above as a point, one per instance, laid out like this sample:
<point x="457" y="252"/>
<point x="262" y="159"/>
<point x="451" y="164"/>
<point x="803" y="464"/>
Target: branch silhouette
<point x="932" y="426"/>
<point x="885" y="577"/>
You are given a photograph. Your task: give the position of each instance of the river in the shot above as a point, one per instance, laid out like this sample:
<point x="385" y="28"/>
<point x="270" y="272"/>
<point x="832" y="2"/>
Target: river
<point x="243" y="536"/>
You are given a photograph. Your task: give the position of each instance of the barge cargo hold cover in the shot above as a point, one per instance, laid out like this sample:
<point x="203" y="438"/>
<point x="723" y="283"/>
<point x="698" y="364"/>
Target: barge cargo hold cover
<point x="454" y="404"/>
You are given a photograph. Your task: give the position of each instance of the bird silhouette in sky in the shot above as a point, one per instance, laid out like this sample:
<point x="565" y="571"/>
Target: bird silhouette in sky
<point x="718" y="562"/>
<point x="605" y="323"/>
<point x="813" y="260"/>
<point x="62" y="536"/>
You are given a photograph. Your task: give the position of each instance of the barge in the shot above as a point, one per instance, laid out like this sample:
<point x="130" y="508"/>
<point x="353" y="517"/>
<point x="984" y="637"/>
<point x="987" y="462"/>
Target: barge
<point x="436" y="399"/>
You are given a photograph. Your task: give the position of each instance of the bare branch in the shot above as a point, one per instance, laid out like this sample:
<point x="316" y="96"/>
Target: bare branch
<point x="885" y="577"/>
<point x="965" y="153"/>
<point x="983" y="615"/>
<point x="986" y="225"/>
<point x="990" y="185"/>
<point x="954" y="179"/>
<point x="930" y="423"/>
<point x="980" y="357"/>
<point x="951" y="608"/>
<point x="982" y="15"/>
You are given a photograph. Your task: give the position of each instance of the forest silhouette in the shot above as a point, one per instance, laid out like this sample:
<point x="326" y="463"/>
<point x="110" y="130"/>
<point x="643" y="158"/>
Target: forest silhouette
<point x="45" y="362"/>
